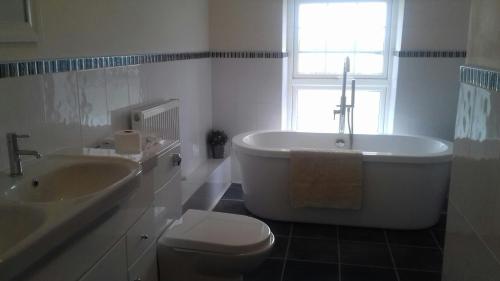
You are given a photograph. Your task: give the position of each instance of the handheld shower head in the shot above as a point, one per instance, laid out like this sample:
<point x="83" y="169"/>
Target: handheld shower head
<point x="347" y="65"/>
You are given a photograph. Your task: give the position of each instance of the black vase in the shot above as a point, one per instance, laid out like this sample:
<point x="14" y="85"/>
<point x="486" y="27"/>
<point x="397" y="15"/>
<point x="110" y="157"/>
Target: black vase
<point x="218" y="151"/>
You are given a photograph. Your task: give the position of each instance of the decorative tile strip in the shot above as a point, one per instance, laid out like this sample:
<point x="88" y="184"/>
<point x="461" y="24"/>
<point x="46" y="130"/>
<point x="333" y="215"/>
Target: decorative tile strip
<point x="430" y="54"/>
<point x="248" y="55"/>
<point x="47" y="66"/>
<point x="479" y="77"/>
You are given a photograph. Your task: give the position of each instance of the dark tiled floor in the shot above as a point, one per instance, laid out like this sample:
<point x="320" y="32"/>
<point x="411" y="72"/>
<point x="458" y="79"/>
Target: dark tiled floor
<point x="312" y="252"/>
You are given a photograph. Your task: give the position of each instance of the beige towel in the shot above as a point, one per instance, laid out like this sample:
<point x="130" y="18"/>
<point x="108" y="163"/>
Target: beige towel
<point x="326" y="179"/>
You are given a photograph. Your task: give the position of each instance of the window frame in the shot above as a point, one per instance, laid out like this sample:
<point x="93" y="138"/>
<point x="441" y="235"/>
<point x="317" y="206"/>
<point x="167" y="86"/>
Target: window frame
<point x="381" y="88"/>
<point x="387" y="42"/>
<point x="382" y="82"/>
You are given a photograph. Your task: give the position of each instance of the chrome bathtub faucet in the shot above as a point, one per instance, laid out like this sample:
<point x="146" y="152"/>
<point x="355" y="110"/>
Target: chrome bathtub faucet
<point x="345" y="109"/>
<point x="15" y="164"/>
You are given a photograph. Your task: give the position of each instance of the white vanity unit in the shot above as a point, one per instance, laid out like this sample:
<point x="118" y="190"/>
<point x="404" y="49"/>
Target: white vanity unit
<point x="102" y="235"/>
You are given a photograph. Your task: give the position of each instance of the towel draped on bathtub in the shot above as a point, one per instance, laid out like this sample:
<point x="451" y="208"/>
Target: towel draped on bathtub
<point x="326" y="179"/>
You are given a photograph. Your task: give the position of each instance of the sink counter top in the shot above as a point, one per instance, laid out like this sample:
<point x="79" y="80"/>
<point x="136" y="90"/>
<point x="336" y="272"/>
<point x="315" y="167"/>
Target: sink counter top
<point x="57" y="197"/>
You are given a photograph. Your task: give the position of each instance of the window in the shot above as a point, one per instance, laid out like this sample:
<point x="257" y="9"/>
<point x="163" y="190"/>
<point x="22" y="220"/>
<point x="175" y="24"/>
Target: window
<point x="324" y="33"/>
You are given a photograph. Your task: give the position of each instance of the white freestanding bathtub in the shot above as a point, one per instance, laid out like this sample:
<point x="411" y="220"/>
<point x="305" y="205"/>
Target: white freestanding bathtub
<point x="405" y="178"/>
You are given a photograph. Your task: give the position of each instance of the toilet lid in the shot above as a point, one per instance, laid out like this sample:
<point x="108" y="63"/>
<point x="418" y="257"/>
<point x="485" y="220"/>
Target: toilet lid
<point x="217" y="232"/>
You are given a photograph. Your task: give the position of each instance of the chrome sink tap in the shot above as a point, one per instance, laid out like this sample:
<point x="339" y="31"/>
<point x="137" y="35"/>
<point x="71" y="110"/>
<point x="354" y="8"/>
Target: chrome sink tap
<point x="16" y="167"/>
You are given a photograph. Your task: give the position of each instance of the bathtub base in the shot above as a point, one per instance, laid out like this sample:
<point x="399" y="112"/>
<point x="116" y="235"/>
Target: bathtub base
<point x="395" y="196"/>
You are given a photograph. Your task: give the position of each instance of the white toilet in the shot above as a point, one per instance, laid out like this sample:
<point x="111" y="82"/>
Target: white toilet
<point x="211" y="246"/>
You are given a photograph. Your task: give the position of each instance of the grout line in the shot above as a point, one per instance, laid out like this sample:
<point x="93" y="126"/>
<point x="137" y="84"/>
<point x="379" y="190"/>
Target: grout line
<point x="361" y="265"/>
<point x="436" y="241"/>
<point x="420" y="270"/>
<point x="229" y="199"/>
<point x="289" y="242"/>
<point x="338" y="254"/>
<point x="312" y="261"/>
<point x="380" y="243"/>
<point x="392" y="256"/>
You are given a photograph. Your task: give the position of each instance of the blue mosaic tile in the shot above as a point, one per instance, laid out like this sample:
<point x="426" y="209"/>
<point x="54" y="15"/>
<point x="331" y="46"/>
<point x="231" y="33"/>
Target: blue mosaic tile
<point x="430" y="54"/>
<point x="479" y="77"/>
<point x="47" y="66"/>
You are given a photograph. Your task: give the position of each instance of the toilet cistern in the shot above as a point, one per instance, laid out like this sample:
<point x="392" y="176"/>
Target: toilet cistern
<point x="16" y="167"/>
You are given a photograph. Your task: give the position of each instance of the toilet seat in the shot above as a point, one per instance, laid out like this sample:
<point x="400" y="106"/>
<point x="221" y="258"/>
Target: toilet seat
<point x="218" y="233"/>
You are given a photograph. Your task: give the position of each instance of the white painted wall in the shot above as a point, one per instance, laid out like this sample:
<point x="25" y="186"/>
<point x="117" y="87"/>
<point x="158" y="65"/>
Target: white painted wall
<point x="246" y="25"/>
<point x="112" y="27"/>
<point x="435" y="24"/>
<point x="426" y="88"/>
<point x="79" y="108"/>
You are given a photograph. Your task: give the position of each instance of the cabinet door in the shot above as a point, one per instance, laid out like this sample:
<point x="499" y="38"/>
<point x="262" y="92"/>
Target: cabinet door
<point x="111" y="267"/>
<point x="140" y="236"/>
<point x="166" y="167"/>
<point x="146" y="267"/>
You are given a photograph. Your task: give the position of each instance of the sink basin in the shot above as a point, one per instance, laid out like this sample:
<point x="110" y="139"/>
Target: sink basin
<point x="17" y="223"/>
<point x="70" y="181"/>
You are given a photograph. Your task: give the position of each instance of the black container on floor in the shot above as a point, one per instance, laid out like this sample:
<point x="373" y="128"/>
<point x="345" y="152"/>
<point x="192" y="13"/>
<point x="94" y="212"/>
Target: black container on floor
<point x="218" y="151"/>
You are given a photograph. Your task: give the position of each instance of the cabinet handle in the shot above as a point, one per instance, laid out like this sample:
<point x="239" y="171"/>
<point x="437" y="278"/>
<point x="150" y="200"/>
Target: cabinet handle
<point x="144" y="237"/>
<point x="176" y="159"/>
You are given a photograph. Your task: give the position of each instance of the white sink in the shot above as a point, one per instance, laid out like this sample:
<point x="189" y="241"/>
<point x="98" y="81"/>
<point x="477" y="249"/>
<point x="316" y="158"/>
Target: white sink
<point x="38" y="210"/>
<point x="16" y="224"/>
<point x="70" y="181"/>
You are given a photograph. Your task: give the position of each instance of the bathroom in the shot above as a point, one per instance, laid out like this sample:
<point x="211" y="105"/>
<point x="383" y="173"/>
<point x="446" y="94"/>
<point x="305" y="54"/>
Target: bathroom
<point x="89" y="192"/>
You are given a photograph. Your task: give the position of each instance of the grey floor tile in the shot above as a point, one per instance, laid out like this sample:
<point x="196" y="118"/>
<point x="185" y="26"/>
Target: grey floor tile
<point x="417" y="258"/>
<point x="407" y="275"/>
<point x="359" y="273"/>
<point x="232" y="206"/>
<point x="367" y="254"/>
<point x="278" y="227"/>
<point x="234" y="192"/>
<point x="270" y="270"/>
<point x="412" y="238"/>
<point x="319" y="250"/>
<point x="310" y="271"/>
<point x="311" y="230"/>
<point x="280" y="245"/>
<point x="361" y="234"/>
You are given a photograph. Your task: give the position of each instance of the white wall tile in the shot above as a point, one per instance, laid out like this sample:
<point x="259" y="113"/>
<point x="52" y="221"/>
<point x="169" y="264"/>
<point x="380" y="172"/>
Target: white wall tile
<point x="188" y="81"/>
<point x="21" y="111"/>
<point x="247" y="94"/>
<point x="117" y="96"/>
<point x="95" y="121"/>
<point x="62" y="112"/>
<point x="135" y="91"/>
<point x="426" y="97"/>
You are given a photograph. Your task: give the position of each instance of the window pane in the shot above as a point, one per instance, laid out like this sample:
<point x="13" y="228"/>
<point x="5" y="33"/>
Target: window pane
<point x="311" y="63"/>
<point x="335" y="62"/>
<point x="371" y="40"/>
<point x="312" y="16"/>
<point x="311" y="40"/>
<point x="351" y="27"/>
<point x="369" y="64"/>
<point x="340" y="14"/>
<point x="340" y="39"/>
<point x="315" y="110"/>
<point x="371" y="14"/>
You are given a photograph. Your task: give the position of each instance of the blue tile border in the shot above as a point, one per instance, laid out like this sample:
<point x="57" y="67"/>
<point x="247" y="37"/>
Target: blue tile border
<point x="248" y="54"/>
<point x="430" y="54"/>
<point x="488" y="79"/>
<point x="47" y="66"/>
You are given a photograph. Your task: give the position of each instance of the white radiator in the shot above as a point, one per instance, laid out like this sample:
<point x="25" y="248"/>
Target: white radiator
<point x="160" y="120"/>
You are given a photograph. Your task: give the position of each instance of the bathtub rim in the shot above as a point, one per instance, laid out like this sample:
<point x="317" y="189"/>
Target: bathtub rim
<point x="239" y="145"/>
